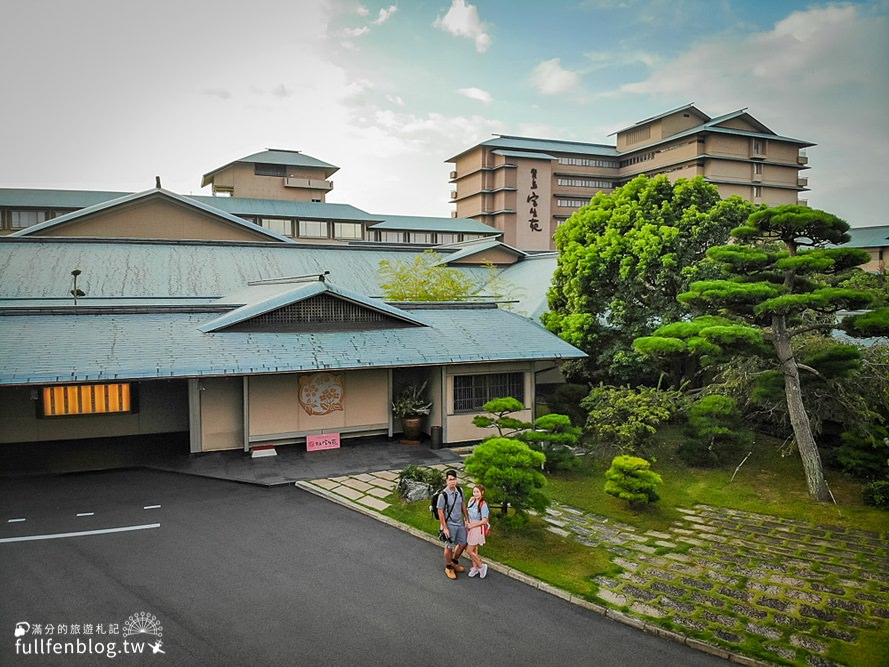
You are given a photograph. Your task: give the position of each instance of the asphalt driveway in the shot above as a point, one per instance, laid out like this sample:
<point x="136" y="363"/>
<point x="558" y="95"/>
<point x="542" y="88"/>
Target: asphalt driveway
<point x="194" y="571"/>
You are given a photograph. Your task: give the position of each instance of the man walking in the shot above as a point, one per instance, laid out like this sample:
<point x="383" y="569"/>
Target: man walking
<point x="453" y="516"/>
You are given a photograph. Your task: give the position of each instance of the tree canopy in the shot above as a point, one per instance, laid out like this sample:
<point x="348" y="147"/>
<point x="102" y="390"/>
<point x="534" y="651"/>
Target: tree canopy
<point x="780" y="281"/>
<point x="624" y="259"/>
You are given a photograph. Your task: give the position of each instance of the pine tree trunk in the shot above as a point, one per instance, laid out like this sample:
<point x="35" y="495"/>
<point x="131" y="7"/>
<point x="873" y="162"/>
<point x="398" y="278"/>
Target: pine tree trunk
<point x="799" y="418"/>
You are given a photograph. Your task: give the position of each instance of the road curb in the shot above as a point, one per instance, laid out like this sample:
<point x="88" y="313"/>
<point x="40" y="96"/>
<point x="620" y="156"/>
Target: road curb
<point x="545" y="587"/>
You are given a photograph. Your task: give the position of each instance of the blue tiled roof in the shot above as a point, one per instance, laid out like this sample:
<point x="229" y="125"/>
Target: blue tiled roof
<point x="37" y="349"/>
<point x="868" y="237"/>
<point x="40" y="268"/>
<point x="430" y="224"/>
<point x="275" y="156"/>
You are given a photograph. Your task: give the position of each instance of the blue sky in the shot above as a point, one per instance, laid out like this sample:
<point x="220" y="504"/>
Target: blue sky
<point x="104" y="94"/>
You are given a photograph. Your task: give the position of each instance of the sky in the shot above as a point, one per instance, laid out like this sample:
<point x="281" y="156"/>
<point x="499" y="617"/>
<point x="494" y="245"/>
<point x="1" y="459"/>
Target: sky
<point x="108" y="94"/>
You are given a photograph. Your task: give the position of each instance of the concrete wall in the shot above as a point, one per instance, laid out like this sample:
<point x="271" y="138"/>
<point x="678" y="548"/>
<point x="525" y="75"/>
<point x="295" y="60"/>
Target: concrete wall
<point x="274" y="412"/>
<point x="162" y="408"/>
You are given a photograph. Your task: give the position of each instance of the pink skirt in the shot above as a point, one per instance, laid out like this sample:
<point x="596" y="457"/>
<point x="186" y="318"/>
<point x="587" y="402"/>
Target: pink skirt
<point x="475" y="536"/>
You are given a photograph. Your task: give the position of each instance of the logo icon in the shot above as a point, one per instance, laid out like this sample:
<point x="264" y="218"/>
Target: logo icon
<point x="22" y="628"/>
<point x="142" y="623"/>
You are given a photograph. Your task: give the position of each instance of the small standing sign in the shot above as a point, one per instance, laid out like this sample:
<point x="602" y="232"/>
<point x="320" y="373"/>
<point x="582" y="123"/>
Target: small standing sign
<point x="316" y="443"/>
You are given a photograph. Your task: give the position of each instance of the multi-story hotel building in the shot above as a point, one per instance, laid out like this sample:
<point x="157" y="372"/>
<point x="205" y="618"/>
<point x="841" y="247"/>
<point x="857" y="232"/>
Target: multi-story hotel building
<point x="527" y="187"/>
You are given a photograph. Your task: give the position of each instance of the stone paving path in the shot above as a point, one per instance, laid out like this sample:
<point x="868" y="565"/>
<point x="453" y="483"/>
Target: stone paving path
<point x="732" y="578"/>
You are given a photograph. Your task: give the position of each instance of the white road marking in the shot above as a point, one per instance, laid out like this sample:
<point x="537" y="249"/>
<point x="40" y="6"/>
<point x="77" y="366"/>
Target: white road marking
<point x="151" y="507"/>
<point x="55" y="536"/>
<point x="86" y="514"/>
<point x="15" y="520"/>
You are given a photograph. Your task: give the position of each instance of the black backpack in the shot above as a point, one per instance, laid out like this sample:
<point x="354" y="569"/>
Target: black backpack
<point x="433" y="504"/>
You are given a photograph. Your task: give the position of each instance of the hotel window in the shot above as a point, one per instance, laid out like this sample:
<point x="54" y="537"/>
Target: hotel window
<point x="313" y="229"/>
<point x="584" y="183"/>
<point x="757" y="191"/>
<point x="389" y="237"/>
<point x="572" y="203"/>
<point x="348" y="230"/>
<point x="87" y="399"/>
<point x="23" y="219"/>
<point x="442" y="237"/>
<point x="471" y="392"/>
<point x="269" y="170"/>
<point x="587" y="162"/>
<point x="278" y="225"/>
<point x="757" y="168"/>
<point x="759" y="147"/>
<point x="419" y="237"/>
<point x="471" y="237"/>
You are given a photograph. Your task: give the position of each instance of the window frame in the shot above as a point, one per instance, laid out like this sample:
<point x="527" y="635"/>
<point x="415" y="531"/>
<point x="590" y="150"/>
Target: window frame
<point x="483" y="387"/>
<point x="47" y="394"/>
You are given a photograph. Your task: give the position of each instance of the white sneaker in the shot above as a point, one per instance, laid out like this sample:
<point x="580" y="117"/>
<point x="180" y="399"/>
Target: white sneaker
<point x="483" y="572"/>
<point x="473" y="571"/>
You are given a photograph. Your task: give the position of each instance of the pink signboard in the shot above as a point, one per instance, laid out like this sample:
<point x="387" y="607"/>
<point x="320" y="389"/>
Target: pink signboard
<point x="315" y="443"/>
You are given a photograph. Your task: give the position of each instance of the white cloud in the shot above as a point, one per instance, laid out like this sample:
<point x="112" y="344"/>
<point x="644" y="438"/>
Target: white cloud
<point x="550" y="78"/>
<point x="476" y="94"/>
<point x="462" y="20"/>
<point x="820" y="75"/>
<point x="356" y="32"/>
<point x="385" y="15"/>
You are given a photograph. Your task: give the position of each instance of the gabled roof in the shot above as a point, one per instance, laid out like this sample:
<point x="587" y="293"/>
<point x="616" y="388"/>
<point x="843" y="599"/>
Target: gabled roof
<point x="276" y="156"/>
<point x="271" y="296"/>
<point x="686" y="107"/>
<point x="41" y="348"/>
<point x="306" y="210"/>
<point x="504" y="141"/>
<point x="431" y="224"/>
<point x="868" y="237"/>
<point x="148" y="195"/>
<point x="28" y="198"/>
<point x="470" y="248"/>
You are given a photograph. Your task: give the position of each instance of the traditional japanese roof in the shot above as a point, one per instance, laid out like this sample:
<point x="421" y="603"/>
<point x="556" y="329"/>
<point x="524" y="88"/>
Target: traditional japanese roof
<point x="433" y="224"/>
<point x="868" y="237"/>
<point x="149" y="196"/>
<point x="276" y="156"/>
<point x="92" y="347"/>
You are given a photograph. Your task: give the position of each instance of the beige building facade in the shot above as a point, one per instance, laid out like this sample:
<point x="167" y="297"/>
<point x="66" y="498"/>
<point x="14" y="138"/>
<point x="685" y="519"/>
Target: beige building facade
<point x="527" y="187"/>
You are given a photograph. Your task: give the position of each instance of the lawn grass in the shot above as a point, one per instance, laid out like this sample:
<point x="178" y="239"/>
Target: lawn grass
<point x="770" y="481"/>
<point x="532" y="549"/>
<point x="767" y="483"/>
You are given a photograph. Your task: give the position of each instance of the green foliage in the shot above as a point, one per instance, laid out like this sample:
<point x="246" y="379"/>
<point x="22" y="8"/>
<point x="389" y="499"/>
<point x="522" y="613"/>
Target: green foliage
<point x="787" y="283"/>
<point x="873" y="323"/>
<point x="877" y="494"/>
<point x="630" y="478"/>
<point x="555" y="437"/>
<point x="566" y="398"/>
<point x="411" y="402"/>
<point x="715" y="432"/>
<point x="425" y="278"/>
<point x="434" y="478"/>
<point x="499" y="418"/>
<point x="552" y="434"/>
<point x="623" y="259"/>
<point x="865" y="453"/>
<point x="875" y="283"/>
<point x="625" y="419"/>
<point x="510" y="472"/>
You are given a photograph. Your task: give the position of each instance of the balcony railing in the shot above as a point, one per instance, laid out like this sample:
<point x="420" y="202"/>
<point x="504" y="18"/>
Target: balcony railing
<point x="307" y="183"/>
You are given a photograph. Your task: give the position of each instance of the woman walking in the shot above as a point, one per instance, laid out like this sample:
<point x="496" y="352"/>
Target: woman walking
<point x="477" y="528"/>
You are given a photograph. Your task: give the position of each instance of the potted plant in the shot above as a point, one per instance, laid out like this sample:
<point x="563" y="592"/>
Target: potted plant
<point x="410" y="405"/>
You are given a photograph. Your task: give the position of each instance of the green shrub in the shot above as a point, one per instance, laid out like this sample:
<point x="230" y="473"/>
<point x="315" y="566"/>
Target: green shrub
<point x="625" y="419"/>
<point x="510" y="472"/>
<point x="714" y="432"/>
<point x="631" y="478"/>
<point x="555" y="437"/>
<point x="566" y="399"/>
<point x="877" y="494"/>
<point x="431" y="476"/>
<point x="865" y="455"/>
